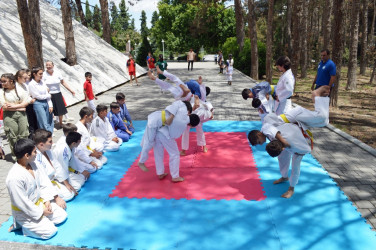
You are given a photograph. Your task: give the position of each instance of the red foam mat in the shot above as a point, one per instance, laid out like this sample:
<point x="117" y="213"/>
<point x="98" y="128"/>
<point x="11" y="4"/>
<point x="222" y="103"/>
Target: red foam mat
<point x="227" y="171"/>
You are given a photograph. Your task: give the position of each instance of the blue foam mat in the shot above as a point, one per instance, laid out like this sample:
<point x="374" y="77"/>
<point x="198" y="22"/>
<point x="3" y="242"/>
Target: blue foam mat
<point x="317" y="216"/>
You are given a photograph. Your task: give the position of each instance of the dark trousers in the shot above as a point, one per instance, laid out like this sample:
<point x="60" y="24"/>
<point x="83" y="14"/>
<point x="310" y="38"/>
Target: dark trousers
<point x="190" y="62"/>
<point x="32" y="120"/>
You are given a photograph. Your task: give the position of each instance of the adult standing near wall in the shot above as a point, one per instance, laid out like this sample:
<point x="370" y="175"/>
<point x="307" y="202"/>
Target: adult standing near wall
<point x="285" y="86"/>
<point x="43" y="105"/>
<point x="53" y="78"/>
<point x="14" y="102"/>
<point x="191" y="58"/>
<point x="326" y="72"/>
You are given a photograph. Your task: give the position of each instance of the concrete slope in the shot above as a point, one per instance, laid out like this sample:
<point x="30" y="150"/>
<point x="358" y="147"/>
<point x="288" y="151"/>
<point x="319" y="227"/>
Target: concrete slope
<point x="107" y="64"/>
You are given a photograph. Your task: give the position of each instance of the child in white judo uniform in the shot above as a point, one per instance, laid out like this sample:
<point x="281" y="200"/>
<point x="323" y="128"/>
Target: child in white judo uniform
<point x="31" y="195"/>
<point x="75" y="165"/>
<point x="90" y="149"/>
<point x="298" y="147"/>
<point x="161" y="131"/>
<point x="229" y="69"/>
<point x="180" y="91"/>
<point x="102" y="129"/>
<point x="63" y="152"/>
<point x="285" y="86"/>
<point x="46" y="160"/>
<point x="204" y="110"/>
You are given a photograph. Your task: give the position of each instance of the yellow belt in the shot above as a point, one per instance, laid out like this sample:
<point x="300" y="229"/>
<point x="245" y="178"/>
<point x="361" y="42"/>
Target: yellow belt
<point x="163" y="117"/>
<point x="88" y="147"/>
<point x="273" y="88"/>
<point x="284" y="118"/>
<point x="36" y="203"/>
<point x="55" y="183"/>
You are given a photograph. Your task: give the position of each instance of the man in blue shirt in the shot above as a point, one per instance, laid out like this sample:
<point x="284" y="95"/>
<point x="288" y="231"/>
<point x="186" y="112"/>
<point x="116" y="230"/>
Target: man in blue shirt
<point x="326" y="72"/>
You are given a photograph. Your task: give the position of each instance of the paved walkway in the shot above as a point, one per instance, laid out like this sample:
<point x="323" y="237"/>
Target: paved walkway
<point x="353" y="168"/>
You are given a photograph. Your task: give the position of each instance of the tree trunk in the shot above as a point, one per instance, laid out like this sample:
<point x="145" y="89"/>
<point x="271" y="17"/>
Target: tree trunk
<point x="297" y="12"/>
<point x="70" y="47"/>
<point x="363" y="39"/>
<point x="253" y="38"/>
<point x="269" y="42"/>
<point x="31" y="29"/>
<point x="105" y="21"/>
<point x="354" y="29"/>
<point x="288" y="29"/>
<point x="239" y="23"/>
<point x="337" y="32"/>
<point x="371" y="36"/>
<point x="304" y="50"/>
<point x="326" y="23"/>
<point x="81" y="13"/>
<point x="373" y="73"/>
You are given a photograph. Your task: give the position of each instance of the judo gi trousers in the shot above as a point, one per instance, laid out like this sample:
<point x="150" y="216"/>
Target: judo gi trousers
<point x="200" y="137"/>
<point x="161" y="143"/>
<point x="284" y="160"/>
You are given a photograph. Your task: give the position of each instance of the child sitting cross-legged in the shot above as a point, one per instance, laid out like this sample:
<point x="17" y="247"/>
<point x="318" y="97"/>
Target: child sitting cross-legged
<point x="121" y="130"/>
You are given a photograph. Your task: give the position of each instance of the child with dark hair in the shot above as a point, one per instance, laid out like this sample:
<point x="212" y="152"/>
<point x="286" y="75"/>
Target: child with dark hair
<point x="171" y="122"/>
<point x="161" y="65"/>
<point x="124" y="113"/>
<point x="33" y="206"/>
<point x="71" y="178"/>
<point x="90" y="149"/>
<point x="88" y="92"/>
<point x="117" y="123"/>
<point x="102" y="128"/>
<point x="131" y="68"/>
<point x="285" y="86"/>
<point x="47" y="161"/>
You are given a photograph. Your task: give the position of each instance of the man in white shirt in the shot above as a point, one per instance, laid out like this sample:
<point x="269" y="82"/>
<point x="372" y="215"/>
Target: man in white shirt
<point x="191" y="58"/>
<point x="102" y="128"/>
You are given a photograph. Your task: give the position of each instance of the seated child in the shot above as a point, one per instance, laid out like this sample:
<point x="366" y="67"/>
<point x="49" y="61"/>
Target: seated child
<point x="30" y="192"/>
<point x="46" y="160"/>
<point x="102" y="129"/>
<point x="90" y="149"/>
<point x="124" y="113"/>
<point x="72" y="179"/>
<point x="117" y="123"/>
<point x="175" y="117"/>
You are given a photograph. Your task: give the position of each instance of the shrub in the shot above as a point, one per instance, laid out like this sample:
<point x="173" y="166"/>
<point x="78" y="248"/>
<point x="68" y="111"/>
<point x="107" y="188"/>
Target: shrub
<point x="143" y="51"/>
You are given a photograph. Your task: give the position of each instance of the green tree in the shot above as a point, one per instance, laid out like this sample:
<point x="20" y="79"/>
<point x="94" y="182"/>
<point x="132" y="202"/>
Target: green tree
<point x="144" y="28"/>
<point x="124" y="16"/>
<point x="97" y="19"/>
<point x="154" y="18"/>
<point x="132" y="25"/>
<point x="143" y="51"/>
<point x="115" y="26"/>
<point x="88" y="15"/>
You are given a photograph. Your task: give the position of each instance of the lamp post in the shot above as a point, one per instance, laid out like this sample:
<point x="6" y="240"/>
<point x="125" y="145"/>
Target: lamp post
<point x="163" y="48"/>
<point x="129" y="46"/>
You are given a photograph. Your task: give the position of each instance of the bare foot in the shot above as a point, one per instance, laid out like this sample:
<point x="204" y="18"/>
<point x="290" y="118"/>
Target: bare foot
<point x="160" y="72"/>
<point x="280" y="180"/>
<point x="143" y="167"/>
<point x="322" y="91"/>
<point x="205" y="149"/>
<point x="151" y="76"/>
<point x="11" y="228"/>
<point x="182" y="153"/>
<point x="289" y="193"/>
<point x="177" y="179"/>
<point x="162" y="176"/>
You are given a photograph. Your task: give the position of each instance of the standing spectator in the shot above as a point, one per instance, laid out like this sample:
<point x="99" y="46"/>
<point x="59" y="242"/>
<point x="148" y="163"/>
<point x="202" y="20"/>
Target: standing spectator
<point x="326" y="72"/>
<point x="285" y="86"/>
<point x="42" y="106"/>
<point x="23" y="80"/>
<point x="2" y="154"/>
<point x="150" y="62"/>
<point x="190" y="58"/>
<point x="131" y="67"/>
<point x="14" y="102"/>
<point x="229" y="69"/>
<point x="88" y="91"/>
<point x="220" y="62"/>
<point x="162" y="65"/>
<point x="53" y="78"/>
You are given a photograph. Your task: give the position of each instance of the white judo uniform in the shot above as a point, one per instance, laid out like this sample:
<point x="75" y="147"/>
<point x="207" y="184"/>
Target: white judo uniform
<point x="83" y="151"/>
<point x="155" y="122"/>
<point x="53" y="168"/>
<point x="230" y="69"/>
<point x="176" y="91"/>
<point x="304" y="117"/>
<point x="103" y="130"/>
<point x="284" y="90"/>
<point x="204" y="112"/>
<point x="299" y="146"/>
<point x="27" y="195"/>
<point x="64" y="155"/>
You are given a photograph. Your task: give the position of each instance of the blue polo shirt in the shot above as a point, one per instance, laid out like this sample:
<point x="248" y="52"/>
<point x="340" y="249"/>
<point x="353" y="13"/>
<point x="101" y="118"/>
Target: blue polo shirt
<point x="194" y="87"/>
<point x="324" y="72"/>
